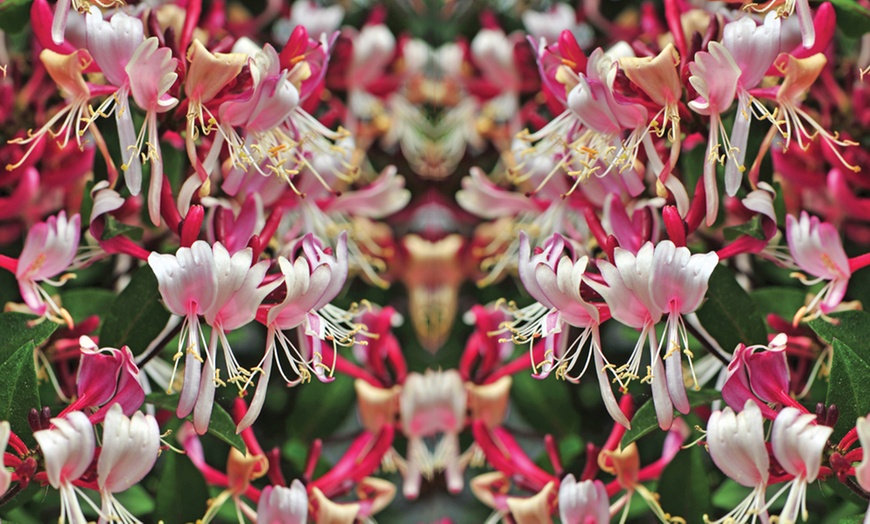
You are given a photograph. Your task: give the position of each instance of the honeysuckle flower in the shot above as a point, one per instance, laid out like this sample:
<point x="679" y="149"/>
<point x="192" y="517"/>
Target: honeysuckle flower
<point x="384" y="196"/>
<point x="312" y="281"/>
<point x="862" y="470"/>
<point x="67" y="72"/>
<point x="659" y="79"/>
<point x="549" y="24"/>
<point x="624" y="464"/>
<point x="798" y="442"/>
<point x="5" y="474"/>
<point x="737" y="447"/>
<point x="431" y="404"/>
<point x="49" y="250"/>
<point x="107" y="377"/>
<point x="792" y="121"/>
<point x="128" y="452"/>
<point x="754" y="48"/>
<point x="786" y="8"/>
<point x="68" y="449"/>
<point x="61" y="15"/>
<point x="206" y="281"/>
<point x="759" y="373"/>
<point x="584" y="502"/>
<point x="714" y="76"/>
<point x="817" y="249"/>
<point x="660" y="280"/>
<point x="283" y="505"/>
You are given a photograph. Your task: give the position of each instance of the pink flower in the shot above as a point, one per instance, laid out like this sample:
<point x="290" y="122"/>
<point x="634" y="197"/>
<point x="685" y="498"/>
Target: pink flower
<point x="660" y="280"/>
<point x="817" y="249"/>
<point x="798" y="443"/>
<point x="430" y="404"/>
<point x="5" y="474"/>
<point x="487" y="200"/>
<point x="129" y="450"/>
<point x="754" y="48"/>
<point x="283" y="505"/>
<point x="206" y="281"/>
<point x="49" y="250"/>
<point x="68" y="449"/>
<point x="714" y="76"/>
<point x="583" y="502"/>
<point x="737" y="447"/>
<point x="312" y="281"/>
<point x="862" y="470"/>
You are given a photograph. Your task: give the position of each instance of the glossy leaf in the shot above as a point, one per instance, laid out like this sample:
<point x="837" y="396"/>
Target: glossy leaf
<point x="19" y="392"/>
<point x="729" y="315"/>
<point x="17" y="329"/>
<point x="136" y="316"/>
<point x="849" y="388"/>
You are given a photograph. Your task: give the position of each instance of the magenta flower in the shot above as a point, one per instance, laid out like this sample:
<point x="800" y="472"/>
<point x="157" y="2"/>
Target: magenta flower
<point x="68" y="449"/>
<point x="129" y="450"/>
<point x="49" y="250"/>
<point x="817" y="249"/>
<point x="737" y="447"/>
<point x="5" y="474"/>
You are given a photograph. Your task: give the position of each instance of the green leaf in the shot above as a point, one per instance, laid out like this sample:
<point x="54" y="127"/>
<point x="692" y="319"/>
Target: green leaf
<point x="82" y="303"/>
<point x="322" y="407"/>
<point x="852" y="18"/>
<point x="752" y="228"/>
<point x="851" y="327"/>
<point x="781" y="300"/>
<point x="221" y="424"/>
<point x="19" y="392"/>
<point x="729" y="315"/>
<point x="16" y="330"/>
<point x="114" y="228"/>
<point x="182" y="492"/>
<point x="14" y="15"/>
<point x="848" y="387"/>
<point x="645" y="421"/>
<point x="684" y="487"/>
<point x="545" y="404"/>
<point x="136" y="317"/>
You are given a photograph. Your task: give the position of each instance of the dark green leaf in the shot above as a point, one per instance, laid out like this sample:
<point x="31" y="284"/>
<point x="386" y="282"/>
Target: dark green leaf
<point x="18" y="390"/>
<point x="14" y="15"/>
<point x="684" y="486"/>
<point x="849" y="388"/>
<point x="115" y="228"/>
<point x="752" y="228"/>
<point x="182" y="492"/>
<point x="645" y="421"/>
<point x="545" y="404"/>
<point x="82" y="303"/>
<point x="221" y="424"/>
<point x="729" y="315"/>
<point x="322" y="407"/>
<point x="852" y="18"/>
<point x="783" y="301"/>
<point x="136" y="317"/>
<point x="16" y="330"/>
<point x="851" y="327"/>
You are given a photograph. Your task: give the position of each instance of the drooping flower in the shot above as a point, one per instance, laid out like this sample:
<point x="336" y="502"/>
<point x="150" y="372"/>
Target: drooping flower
<point x="714" y="76"/>
<point x="283" y="505"/>
<point x="798" y="442"/>
<point x="128" y="452"/>
<point x="49" y="250"/>
<point x="737" y="447"/>
<point x="68" y="449"/>
<point x="817" y="249"/>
